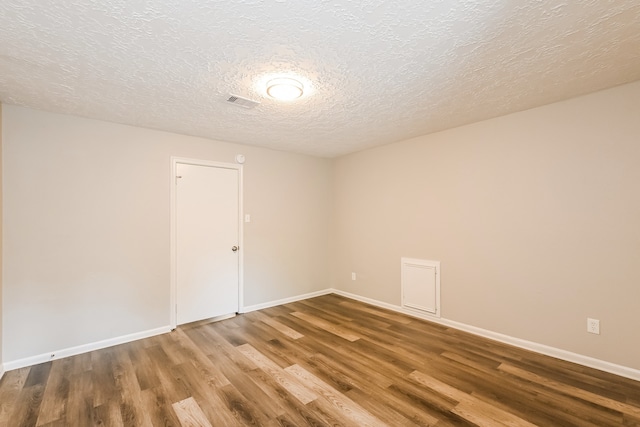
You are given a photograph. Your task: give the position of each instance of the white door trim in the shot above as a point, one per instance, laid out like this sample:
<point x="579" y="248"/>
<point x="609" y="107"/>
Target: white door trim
<point x="173" y="261"/>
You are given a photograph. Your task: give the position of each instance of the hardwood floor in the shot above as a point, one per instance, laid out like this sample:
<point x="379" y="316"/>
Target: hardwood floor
<point x="320" y="362"/>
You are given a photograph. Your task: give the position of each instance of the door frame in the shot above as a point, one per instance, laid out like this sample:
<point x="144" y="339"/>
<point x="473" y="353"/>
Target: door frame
<point x="173" y="300"/>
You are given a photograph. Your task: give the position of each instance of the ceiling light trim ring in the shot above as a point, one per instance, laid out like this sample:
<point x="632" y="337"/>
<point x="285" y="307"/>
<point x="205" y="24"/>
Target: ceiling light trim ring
<point x="284" y="89"/>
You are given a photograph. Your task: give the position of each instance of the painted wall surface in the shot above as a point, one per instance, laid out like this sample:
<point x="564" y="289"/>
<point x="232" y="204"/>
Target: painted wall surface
<point x="1" y="228"/>
<point x="535" y="217"/>
<point x="87" y="227"/>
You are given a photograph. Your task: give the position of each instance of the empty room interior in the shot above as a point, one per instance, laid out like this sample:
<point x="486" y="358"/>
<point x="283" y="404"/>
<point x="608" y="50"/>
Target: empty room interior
<point x="320" y="213"/>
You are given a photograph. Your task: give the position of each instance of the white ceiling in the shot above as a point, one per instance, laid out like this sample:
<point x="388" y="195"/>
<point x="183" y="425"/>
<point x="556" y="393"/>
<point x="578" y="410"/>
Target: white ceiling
<point x="375" y="72"/>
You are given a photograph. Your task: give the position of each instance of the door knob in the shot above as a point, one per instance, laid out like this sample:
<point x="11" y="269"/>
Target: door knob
<point x="234" y="248"/>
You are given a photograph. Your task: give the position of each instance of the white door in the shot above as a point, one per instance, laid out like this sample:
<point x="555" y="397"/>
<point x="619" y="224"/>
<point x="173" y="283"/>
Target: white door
<point x="207" y="240"/>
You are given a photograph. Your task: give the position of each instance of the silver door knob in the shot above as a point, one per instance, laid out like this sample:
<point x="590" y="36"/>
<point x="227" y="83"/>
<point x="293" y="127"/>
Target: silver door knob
<point x="234" y="248"/>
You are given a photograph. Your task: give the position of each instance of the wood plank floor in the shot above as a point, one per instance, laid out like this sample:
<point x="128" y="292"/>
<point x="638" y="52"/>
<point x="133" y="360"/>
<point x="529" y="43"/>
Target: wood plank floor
<point x="326" y="361"/>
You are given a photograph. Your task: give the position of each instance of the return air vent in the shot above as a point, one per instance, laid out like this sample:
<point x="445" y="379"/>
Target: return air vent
<point x="242" y="102"/>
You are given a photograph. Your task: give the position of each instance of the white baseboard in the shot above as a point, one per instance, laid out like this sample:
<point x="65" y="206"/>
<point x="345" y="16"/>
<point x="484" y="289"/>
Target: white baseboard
<point x="85" y="348"/>
<point x="255" y="307"/>
<point x="1" y="370"/>
<point x="568" y="356"/>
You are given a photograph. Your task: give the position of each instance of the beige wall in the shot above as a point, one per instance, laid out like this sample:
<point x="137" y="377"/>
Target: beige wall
<point x="535" y="217"/>
<point x="87" y="215"/>
<point x="1" y="227"/>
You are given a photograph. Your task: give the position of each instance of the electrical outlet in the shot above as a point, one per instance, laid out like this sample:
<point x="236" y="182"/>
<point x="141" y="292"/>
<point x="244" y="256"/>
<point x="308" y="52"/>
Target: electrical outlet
<point x="353" y="276"/>
<point x="593" y="326"/>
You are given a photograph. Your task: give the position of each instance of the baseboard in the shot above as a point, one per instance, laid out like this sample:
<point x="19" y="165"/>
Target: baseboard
<point x="568" y="356"/>
<point x="255" y="307"/>
<point x="85" y="348"/>
<point x="1" y="370"/>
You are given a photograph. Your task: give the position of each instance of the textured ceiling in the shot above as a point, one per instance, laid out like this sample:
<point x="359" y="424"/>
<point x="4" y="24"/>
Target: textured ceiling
<point x="375" y="72"/>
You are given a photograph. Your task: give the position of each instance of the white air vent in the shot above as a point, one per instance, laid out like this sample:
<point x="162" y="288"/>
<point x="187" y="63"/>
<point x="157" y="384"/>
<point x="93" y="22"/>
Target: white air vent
<point x="420" y="283"/>
<point x="242" y="102"/>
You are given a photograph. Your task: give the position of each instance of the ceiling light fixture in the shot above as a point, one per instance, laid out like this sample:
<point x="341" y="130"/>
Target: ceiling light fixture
<point x="284" y="89"/>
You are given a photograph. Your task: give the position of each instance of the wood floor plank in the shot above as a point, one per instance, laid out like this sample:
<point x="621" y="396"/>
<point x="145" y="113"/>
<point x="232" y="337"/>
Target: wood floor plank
<point x="573" y="391"/>
<point x="11" y="386"/>
<point x="56" y="393"/>
<point x="173" y="347"/>
<point x="261" y="406"/>
<point x="421" y="405"/>
<point x="334" y="373"/>
<point x="294" y="411"/>
<point x="205" y="393"/>
<point x="190" y="414"/>
<point x="283" y="352"/>
<point x="509" y="395"/>
<point x="346" y="407"/>
<point x="275" y="348"/>
<point x="469" y="407"/>
<point x="197" y="346"/>
<point x="174" y="390"/>
<point x="28" y="407"/>
<point x="275" y="324"/>
<point x="286" y="380"/>
<point x="321" y="308"/>
<point x="56" y="423"/>
<point x="159" y="407"/>
<point x="145" y="375"/>
<point x="105" y="389"/>
<point x="131" y="405"/>
<point x="220" y="350"/>
<point x="38" y="374"/>
<point x="81" y="363"/>
<point x="323" y="324"/>
<point x="376" y="312"/>
<point x="108" y="414"/>
<point x="80" y="402"/>
<point x="387" y="414"/>
<point x="325" y="361"/>
<point x="241" y="408"/>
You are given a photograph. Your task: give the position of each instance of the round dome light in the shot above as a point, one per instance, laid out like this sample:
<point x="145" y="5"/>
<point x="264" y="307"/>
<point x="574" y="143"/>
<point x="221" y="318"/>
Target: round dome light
<point x="284" y="89"/>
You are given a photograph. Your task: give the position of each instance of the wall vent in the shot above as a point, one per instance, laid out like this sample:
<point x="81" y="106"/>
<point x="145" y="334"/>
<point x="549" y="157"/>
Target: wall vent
<point x="242" y="102"/>
<point x="420" y="283"/>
